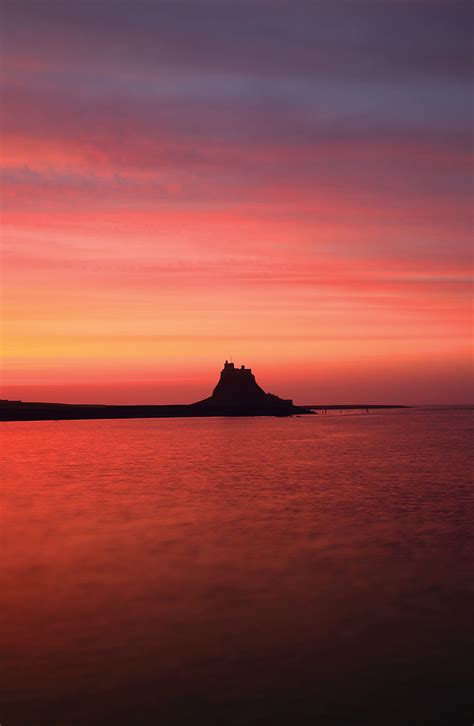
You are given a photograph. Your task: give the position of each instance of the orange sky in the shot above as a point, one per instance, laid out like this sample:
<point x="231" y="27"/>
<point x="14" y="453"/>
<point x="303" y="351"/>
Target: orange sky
<point x="163" y="211"/>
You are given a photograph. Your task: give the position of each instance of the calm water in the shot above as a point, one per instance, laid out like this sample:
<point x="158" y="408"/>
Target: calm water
<point x="238" y="571"/>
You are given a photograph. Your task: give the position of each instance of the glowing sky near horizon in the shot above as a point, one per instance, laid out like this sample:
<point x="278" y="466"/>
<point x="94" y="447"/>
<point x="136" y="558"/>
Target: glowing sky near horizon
<point x="287" y="183"/>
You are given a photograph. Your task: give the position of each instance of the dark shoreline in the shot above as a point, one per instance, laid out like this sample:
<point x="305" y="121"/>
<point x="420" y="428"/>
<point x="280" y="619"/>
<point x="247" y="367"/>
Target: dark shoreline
<point x="31" y="411"/>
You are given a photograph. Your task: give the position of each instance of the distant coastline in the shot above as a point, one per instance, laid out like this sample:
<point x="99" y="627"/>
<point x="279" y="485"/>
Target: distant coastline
<point x="237" y="393"/>
<point x="31" y="411"/>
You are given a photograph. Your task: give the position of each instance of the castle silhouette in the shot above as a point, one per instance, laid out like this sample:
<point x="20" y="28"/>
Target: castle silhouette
<point x="238" y="389"/>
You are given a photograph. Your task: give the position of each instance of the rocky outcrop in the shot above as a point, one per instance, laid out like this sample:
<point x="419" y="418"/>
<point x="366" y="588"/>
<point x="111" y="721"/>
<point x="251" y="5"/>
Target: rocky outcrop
<point x="237" y="389"/>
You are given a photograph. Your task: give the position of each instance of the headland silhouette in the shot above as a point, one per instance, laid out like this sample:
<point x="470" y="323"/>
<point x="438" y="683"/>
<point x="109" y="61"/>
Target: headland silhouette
<point x="237" y="390"/>
<point x="237" y="393"/>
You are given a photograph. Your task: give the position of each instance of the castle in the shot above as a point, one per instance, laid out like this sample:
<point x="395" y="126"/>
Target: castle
<point x="238" y="389"/>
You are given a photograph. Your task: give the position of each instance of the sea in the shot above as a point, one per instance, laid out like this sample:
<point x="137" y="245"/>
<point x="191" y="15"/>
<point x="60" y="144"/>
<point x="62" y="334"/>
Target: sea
<point x="306" y="570"/>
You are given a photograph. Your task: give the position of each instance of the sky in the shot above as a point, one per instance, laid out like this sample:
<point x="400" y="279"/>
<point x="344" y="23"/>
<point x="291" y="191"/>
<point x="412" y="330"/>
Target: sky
<point x="284" y="184"/>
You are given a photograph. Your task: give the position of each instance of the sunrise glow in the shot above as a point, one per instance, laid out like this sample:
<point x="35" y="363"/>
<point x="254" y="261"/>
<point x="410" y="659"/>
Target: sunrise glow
<point x="171" y="201"/>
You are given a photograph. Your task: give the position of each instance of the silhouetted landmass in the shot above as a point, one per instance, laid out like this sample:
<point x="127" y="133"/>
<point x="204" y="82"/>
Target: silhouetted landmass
<point x="238" y="389"/>
<point x="236" y="394"/>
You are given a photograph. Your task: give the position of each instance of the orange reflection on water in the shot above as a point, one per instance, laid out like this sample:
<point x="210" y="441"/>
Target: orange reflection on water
<point x="175" y="568"/>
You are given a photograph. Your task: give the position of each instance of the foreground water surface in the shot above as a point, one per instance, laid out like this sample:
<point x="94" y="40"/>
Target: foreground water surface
<point x="238" y="571"/>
